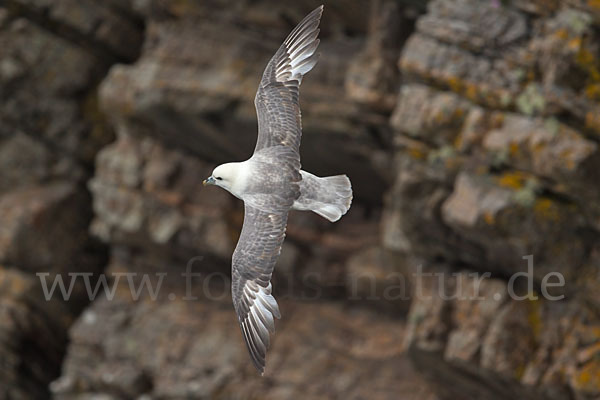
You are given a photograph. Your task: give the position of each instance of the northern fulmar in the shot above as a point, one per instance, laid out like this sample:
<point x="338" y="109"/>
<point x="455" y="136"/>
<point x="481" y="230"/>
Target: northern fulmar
<point x="271" y="184"/>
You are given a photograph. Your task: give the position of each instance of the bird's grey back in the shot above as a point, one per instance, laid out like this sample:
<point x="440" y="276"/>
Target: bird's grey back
<point x="273" y="185"/>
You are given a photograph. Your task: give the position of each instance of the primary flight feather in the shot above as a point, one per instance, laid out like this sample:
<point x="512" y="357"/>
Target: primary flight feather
<point x="271" y="184"/>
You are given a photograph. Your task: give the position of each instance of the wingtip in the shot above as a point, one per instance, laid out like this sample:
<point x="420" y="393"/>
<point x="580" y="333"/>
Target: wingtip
<point x="318" y="10"/>
<point x="260" y="368"/>
<point x="321" y="8"/>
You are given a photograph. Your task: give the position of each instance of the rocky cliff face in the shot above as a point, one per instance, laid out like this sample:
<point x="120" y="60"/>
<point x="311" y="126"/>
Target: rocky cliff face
<point x="52" y="58"/>
<point x="498" y="159"/>
<point x="469" y="129"/>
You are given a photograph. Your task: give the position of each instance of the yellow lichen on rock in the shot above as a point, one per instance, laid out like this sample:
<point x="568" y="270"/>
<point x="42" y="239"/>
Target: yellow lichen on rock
<point x="534" y="318"/>
<point x="471" y="92"/>
<point x="592" y="91"/>
<point x="574" y="44"/>
<point x="513" y="180"/>
<point x="455" y="84"/>
<point x="416" y="153"/>
<point x="586" y="60"/>
<point x="546" y="209"/>
<point x="489" y="218"/>
<point x="592" y="120"/>
<point x="562" y="34"/>
<point x="594" y="4"/>
<point x="587" y="378"/>
<point x="567" y="156"/>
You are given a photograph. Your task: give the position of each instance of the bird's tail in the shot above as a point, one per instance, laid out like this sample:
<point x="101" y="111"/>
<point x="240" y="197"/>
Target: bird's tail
<point x="330" y="197"/>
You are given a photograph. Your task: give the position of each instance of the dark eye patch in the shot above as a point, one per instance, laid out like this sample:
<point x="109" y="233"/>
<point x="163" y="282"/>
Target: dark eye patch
<point x="219" y="179"/>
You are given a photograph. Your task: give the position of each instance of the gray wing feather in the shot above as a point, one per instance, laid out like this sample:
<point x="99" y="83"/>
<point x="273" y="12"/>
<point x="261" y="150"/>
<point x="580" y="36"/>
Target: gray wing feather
<point x="276" y="101"/>
<point x="252" y="265"/>
<point x="265" y="218"/>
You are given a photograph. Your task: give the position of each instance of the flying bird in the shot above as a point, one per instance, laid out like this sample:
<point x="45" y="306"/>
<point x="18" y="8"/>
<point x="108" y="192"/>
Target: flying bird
<point x="271" y="184"/>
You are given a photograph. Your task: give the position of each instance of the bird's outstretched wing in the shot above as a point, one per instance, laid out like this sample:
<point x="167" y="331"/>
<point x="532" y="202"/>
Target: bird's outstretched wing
<point x="252" y="264"/>
<point x="279" y="132"/>
<point x="276" y="100"/>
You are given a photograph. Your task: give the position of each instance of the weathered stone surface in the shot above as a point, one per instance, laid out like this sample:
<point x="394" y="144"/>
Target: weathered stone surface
<point x="197" y="351"/>
<point x="513" y="173"/>
<point x="30" y="236"/>
<point x="561" y="162"/>
<point x="479" y="302"/>
<point x="413" y="221"/>
<point x="471" y="339"/>
<point x="264" y="17"/>
<point x="542" y="7"/>
<point x="492" y="82"/>
<point x="33" y="336"/>
<point x="508" y="221"/>
<point x="546" y="148"/>
<point x="26" y="161"/>
<point x="486" y="28"/>
<point x="380" y="279"/>
<point x="147" y="195"/>
<point x="428" y="115"/>
<point x="49" y="105"/>
<point x="372" y="77"/>
<point x="53" y="55"/>
<point x="98" y="26"/>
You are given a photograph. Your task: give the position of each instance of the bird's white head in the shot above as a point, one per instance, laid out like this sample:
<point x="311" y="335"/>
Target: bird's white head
<point x="225" y="176"/>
